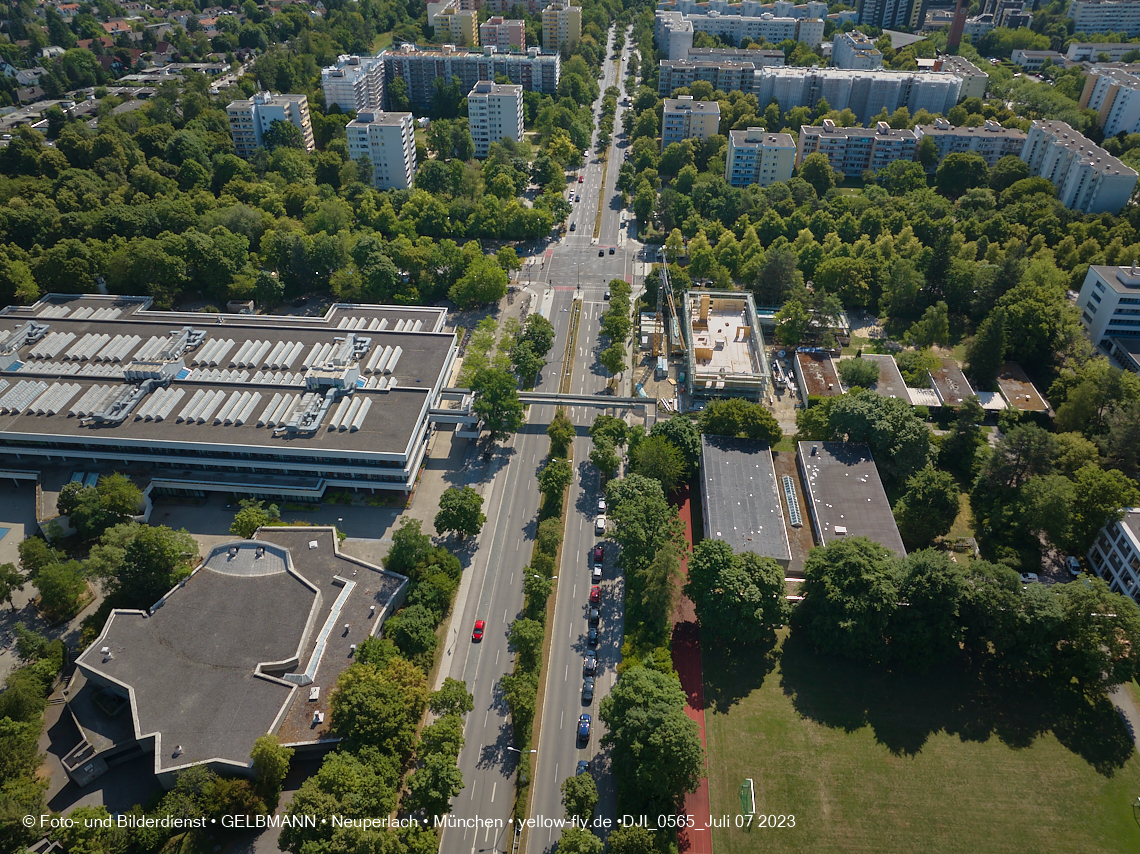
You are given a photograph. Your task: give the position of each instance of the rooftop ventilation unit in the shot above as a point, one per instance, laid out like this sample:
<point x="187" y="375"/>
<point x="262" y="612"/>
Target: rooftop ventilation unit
<point x="31" y="332"/>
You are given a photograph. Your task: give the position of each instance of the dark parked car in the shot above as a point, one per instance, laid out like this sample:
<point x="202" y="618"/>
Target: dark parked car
<point x="594" y="617"/>
<point x="612" y="249"/>
<point x="583" y="768"/>
<point x="584" y="728"/>
<point x="590" y="664"/>
<point x="588" y="689"/>
<point x="592" y="637"/>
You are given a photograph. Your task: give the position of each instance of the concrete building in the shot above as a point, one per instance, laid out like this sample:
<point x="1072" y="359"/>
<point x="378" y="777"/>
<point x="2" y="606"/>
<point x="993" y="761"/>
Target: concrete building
<point x="721" y="75"/>
<point x="815" y="374"/>
<point x="1114" y="92"/>
<point x="250" y="118"/>
<point x="760" y="57"/>
<point x="742" y="498"/>
<point x="685" y="118"/>
<point x="1033" y="60"/>
<point x="561" y="25"/>
<point x="241" y="648"/>
<point x="865" y="93"/>
<point x="724" y="346"/>
<point x="852" y="151"/>
<point x="458" y="26"/>
<point x="845" y="496"/>
<point x="1094" y="51"/>
<point x="1115" y="556"/>
<point x="974" y="80"/>
<point x="1109" y="302"/>
<point x="674" y="34"/>
<point x="494" y="112"/>
<point x="254" y="404"/>
<point x="354" y="83"/>
<point x="1088" y="179"/>
<point x="419" y="67"/>
<point x="674" y="30"/>
<point x="508" y="35"/>
<point x="855" y="50"/>
<point x="888" y="14"/>
<point x="758" y="157"/>
<point x="389" y="141"/>
<point x="992" y="142"/>
<point x="1106" y="16"/>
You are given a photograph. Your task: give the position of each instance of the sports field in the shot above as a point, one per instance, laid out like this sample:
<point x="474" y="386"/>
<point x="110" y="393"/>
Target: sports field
<point x="869" y="760"/>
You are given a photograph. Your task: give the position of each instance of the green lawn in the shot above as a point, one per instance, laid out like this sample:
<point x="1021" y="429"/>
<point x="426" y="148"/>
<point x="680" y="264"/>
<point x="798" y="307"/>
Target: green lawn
<point x="382" y="41"/>
<point x="873" y="761"/>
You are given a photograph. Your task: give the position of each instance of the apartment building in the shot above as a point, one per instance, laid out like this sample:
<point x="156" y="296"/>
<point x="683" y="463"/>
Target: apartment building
<point x="760" y="57"/>
<point x="508" y="35"/>
<point x="389" y="142"/>
<point x="420" y="67"/>
<point x="1088" y="179"/>
<point x="758" y="157"/>
<point x="865" y="93"/>
<point x="494" y="111"/>
<point x="1106" y="16"/>
<point x="674" y="30"/>
<point x="1034" y="60"/>
<point x="685" y="118"/>
<point x="855" y="50"/>
<point x="458" y="26"/>
<point x="250" y="118"/>
<point x="1115" y="556"/>
<point x="354" y="83"/>
<point x="974" y="80"/>
<point x="1109" y="302"/>
<point x="1114" y="92"/>
<point x="888" y="14"/>
<point x="674" y="34"/>
<point x="722" y="76"/>
<point x="561" y="25"/>
<point x="992" y="142"/>
<point x="1093" y="51"/>
<point x="852" y="151"/>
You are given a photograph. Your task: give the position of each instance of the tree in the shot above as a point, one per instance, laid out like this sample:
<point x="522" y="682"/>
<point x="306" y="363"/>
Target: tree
<point x="282" y="134"/>
<point x="484" y="282"/>
<point x="1007" y="172"/>
<point x="270" y="764"/>
<point x="452" y="698"/>
<point x="61" y="585"/>
<point x="736" y="417"/>
<point x="432" y="786"/>
<point x="611" y="427"/>
<point x="1100" y="498"/>
<point x="35" y="554"/>
<point x="580" y="796"/>
<point x="779" y="277"/>
<point x="555" y="476"/>
<point x="932" y="328"/>
<point x="902" y="176"/>
<point x="154" y="561"/>
<point x="268" y="289"/>
<point x="379" y="707"/>
<point x="497" y="402"/>
<point x="613" y="358"/>
<point x="643" y="520"/>
<point x="603" y="455"/>
<point x="652" y="740"/>
<point x="539" y="332"/>
<point x="631" y="839"/>
<point x="737" y="597"/>
<point x="959" y="172"/>
<point x="985" y="352"/>
<point x="526" y="638"/>
<point x="1102" y="636"/>
<point x="579" y="840"/>
<point x="658" y="458"/>
<point x="928" y="507"/>
<point x="561" y="432"/>
<point x="413" y="632"/>
<point x="929" y="629"/>
<point x="851" y="591"/>
<point x="683" y="434"/>
<point x="11" y="583"/>
<point x="927" y="153"/>
<point x="444" y="736"/>
<point x="792" y="322"/>
<point x="410" y="547"/>
<point x="252" y="515"/>
<point x="460" y="510"/>
<point x="859" y="372"/>
<point x="816" y="170"/>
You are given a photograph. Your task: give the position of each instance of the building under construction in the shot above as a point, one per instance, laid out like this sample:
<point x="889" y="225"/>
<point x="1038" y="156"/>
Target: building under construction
<point x="724" y="347"/>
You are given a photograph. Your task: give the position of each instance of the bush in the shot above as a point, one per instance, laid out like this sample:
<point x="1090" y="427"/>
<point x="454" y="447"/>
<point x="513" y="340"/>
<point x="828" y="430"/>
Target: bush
<point x="859" y="372"/>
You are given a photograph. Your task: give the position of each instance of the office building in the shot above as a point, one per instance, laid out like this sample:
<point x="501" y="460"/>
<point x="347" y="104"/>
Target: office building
<point x="685" y="118"/>
<point x="1088" y="179"/>
<point x="758" y="157"/>
<point x="1109" y="303"/>
<point x="420" y="67"/>
<point x="253" y="404"/>
<point x="1113" y="91"/>
<point x="888" y="14"/>
<point x="508" y="35"/>
<point x="458" y="27"/>
<point x="250" y="118"/>
<point x="354" y="83"/>
<point x="1096" y="51"/>
<point x="723" y="345"/>
<point x="855" y="50"/>
<point x="1106" y="16"/>
<point x="389" y="141"/>
<point x="853" y="151"/>
<point x="760" y="57"/>
<point x="561" y="25"/>
<point x="865" y="93"/>
<point x="992" y="142"/>
<point x="974" y="80"/>
<point x="978" y="26"/>
<point x="494" y="112"/>
<point x="1034" y="60"/>
<point x="1115" y="556"/>
<point x="722" y="76"/>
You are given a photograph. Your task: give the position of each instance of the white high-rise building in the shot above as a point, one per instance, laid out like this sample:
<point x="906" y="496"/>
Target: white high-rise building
<point x="494" y="112"/>
<point x="1088" y="179"/>
<point x="685" y="118"/>
<point x="855" y="50"/>
<point x="388" y="140"/>
<point x="1115" y="556"/>
<point x="250" y="118"/>
<point x="991" y="142"/>
<point x="865" y="93"/>
<point x="758" y="157"/>
<point x="1114" y="92"/>
<point x="1106" y="16"/>
<point x="354" y="83"/>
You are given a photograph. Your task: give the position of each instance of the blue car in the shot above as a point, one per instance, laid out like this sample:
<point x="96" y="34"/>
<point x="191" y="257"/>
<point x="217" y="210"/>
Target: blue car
<point x="583" y="768"/>
<point x="584" y="728"/>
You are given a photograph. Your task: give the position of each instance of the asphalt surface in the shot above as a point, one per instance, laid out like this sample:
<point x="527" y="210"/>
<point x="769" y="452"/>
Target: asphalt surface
<point x="556" y="272"/>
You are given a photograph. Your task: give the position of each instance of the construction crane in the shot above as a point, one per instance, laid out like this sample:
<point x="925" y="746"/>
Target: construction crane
<point x="664" y="295"/>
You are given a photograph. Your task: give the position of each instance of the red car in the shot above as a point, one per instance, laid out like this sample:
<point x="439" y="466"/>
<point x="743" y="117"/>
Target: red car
<point x="581" y="179"/>
<point x="595" y="595"/>
<point x="477" y="634"/>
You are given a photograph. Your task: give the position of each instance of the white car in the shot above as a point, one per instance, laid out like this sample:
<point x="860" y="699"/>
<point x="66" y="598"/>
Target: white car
<point x="1073" y="565"/>
<point x="602" y="506"/>
<point x="1028" y="577"/>
<point x="600" y="525"/>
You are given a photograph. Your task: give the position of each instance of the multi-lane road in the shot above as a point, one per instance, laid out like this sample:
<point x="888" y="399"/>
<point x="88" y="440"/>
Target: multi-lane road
<point x="566" y="270"/>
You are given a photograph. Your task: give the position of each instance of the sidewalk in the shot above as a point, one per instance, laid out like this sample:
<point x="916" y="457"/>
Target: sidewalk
<point x="687" y="661"/>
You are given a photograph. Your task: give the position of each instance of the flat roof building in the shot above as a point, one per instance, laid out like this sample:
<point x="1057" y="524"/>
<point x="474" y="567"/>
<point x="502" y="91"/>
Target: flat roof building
<point x="950" y="383"/>
<point x="458" y="26"/>
<point x="1034" y="60"/>
<point x="494" y="113"/>
<point x="1094" y="51"/>
<point x="855" y="50"/>
<point x="1113" y="91"/>
<point x="854" y="150"/>
<point x="742" y="499"/>
<point x="1109" y="302"/>
<point x="991" y="142"/>
<point x="845" y="496"/>
<point x="1088" y="179"/>
<point x="1115" y="556"/>
<point x="974" y="80"/>
<point x="723" y="75"/>
<point x="561" y="25"/>
<point x="508" y="35"/>
<point x="251" y="643"/>
<point x="257" y="404"/>
<point x="865" y="93"/>
<point x="890" y="382"/>
<point x="250" y="118"/>
<point x="760" y="57"/>
<point x="724" y="345"/>
<point x="1018" y="391"/>
<point x="758" y="157"/>
<point x="389" y="142"/>
<point x="815" y="374"/>
<point x="1106" y="16"/>
<point x="354" y="83"/>
<point x="685" y="118"/>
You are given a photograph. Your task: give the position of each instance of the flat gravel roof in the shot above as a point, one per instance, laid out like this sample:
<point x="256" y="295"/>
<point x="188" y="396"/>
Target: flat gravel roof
<point x="742" y="500"/>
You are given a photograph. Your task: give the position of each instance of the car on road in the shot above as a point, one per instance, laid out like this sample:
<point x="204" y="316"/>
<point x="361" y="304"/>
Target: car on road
<point x="594" y="617"/>
<point x="583" y="727"/>
<point x="588" y="689"/>
<point x="599" y="553"/>
<point x="577" y="197"/>
<point x="581" y="179"/>
<point x="583" y="768"/>
<point x="477" y="632"/>
<point x="592" y="637"/>
<point x="1073" y="565"/>
<point x="612" y="250"/>
<point x="601" y="253"/>
<point x="573" y="226"/>
<point x="590" y="665"/>
<point x="596" y="594"/>
<point x="600" y="525"/>
<point x="602" y="506"/>
<point x="606" y="295"/>
<point x="1028" y="577"/>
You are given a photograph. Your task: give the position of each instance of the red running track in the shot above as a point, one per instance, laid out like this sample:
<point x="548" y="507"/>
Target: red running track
<point x="687" y="662"/>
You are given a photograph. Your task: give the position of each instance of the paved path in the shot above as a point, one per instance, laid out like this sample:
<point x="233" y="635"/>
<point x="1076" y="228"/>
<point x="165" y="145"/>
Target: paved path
<point x="687" y="661"/>
<point x="1122" y="699"/>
